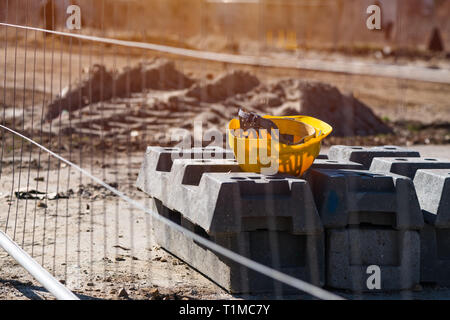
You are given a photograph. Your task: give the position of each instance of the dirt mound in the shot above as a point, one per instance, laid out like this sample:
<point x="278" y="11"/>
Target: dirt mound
<point x="345" y="113"/>
<point x="225" y="86"/>
<point x="101" y="85"/>
<point x="83" y="93"/>
<point x="149" y="115"/>
<point x="158" y="75"/>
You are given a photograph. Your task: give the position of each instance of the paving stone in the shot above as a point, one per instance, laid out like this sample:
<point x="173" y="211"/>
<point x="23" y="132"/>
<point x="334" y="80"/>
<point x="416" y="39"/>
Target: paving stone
<point x="216" y="196"/>
<point x="335" y="164"/>
<point x="345" y="197"/>
<point x="364" y="155"/>
<point x="433" y="192"/>
<point x="351" y="251"/>
<point x="162" y="158"/>
<point x="322" y="156"/>
<point x="156" y="175"/>
<point x="301" y="256"/>
<point x="435" y="255"/>
<point x="408" y="166"/>
<point x="371" y="217"/>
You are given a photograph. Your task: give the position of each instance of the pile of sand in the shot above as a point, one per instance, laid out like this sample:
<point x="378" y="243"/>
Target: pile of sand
<point x="102" y="85"/>
<point x="214" y="102"/>
<point x="227" y="85"/>
<point x="347" y="115"/>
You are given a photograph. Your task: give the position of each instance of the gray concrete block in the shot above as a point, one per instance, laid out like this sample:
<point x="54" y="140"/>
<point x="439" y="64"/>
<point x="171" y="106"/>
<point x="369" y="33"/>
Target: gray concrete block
<point x="335" y="164"/>
<point x="435" y="255"/>
<point x="322" y="156"/>
<point x="433" y="192"/>
<point x="245" y="202"/>
<point x="408" y="166"/>
<point x="161" y="158"/>
<point x="351" y="251"/>
<point x="345" y="197"/>
<point x="364" y="155"/>
<point x="156" y="174"/>
<point x="212" y="194"/>
<point x="301" y="256"/>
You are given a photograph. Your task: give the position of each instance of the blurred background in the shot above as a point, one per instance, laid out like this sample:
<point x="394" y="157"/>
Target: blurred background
<point x="414" y="33"/>
<point x="253" y="25"/>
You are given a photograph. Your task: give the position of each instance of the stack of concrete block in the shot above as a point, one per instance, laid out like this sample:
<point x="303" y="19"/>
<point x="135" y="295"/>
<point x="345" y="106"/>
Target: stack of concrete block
<point x="433" y="191"/>
<point x="335" y="164"/>
<point x="431" y="180"/>
<point x="269" y="219"/>
<point x="408" y="166"/>
<point x="370" y="219"/>
<point x="356" y="208"/>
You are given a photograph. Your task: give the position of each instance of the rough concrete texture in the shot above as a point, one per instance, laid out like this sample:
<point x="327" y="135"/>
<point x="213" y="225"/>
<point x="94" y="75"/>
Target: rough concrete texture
<point x="322" y="156"/>
<point x="157" y="166"/>
<point x="435" y="255"/>
<point x="335" y="164"/>
<point x="301" y="256"/>
<point x="370" y="217"/>
<point x="100" y="84"/>
<point x="433" y="192"/>
<point x="408" y="166"/>
<point x="351" y="251"/>
<point x="213" y="194"/>
<point x="346" y="197"/>
<point x="364" y="155"/>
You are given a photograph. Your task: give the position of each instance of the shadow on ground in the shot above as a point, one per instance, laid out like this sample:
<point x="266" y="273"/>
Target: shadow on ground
<point x="31" y="291"/>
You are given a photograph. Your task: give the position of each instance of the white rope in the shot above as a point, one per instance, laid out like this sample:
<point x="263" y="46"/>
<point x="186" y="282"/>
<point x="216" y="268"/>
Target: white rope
<point x="275" y="274"/>
<point x="35" y="269"/>
<point x="346" y="67"/>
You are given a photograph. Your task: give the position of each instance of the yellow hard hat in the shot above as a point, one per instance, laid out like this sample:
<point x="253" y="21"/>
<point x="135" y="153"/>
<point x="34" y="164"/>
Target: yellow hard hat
<point x="293" y="159"/>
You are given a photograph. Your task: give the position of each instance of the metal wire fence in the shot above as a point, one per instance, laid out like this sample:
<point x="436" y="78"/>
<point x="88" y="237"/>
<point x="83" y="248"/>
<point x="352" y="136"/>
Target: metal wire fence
<point x="78" y="112"/>
<point x="81" y="228"/>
